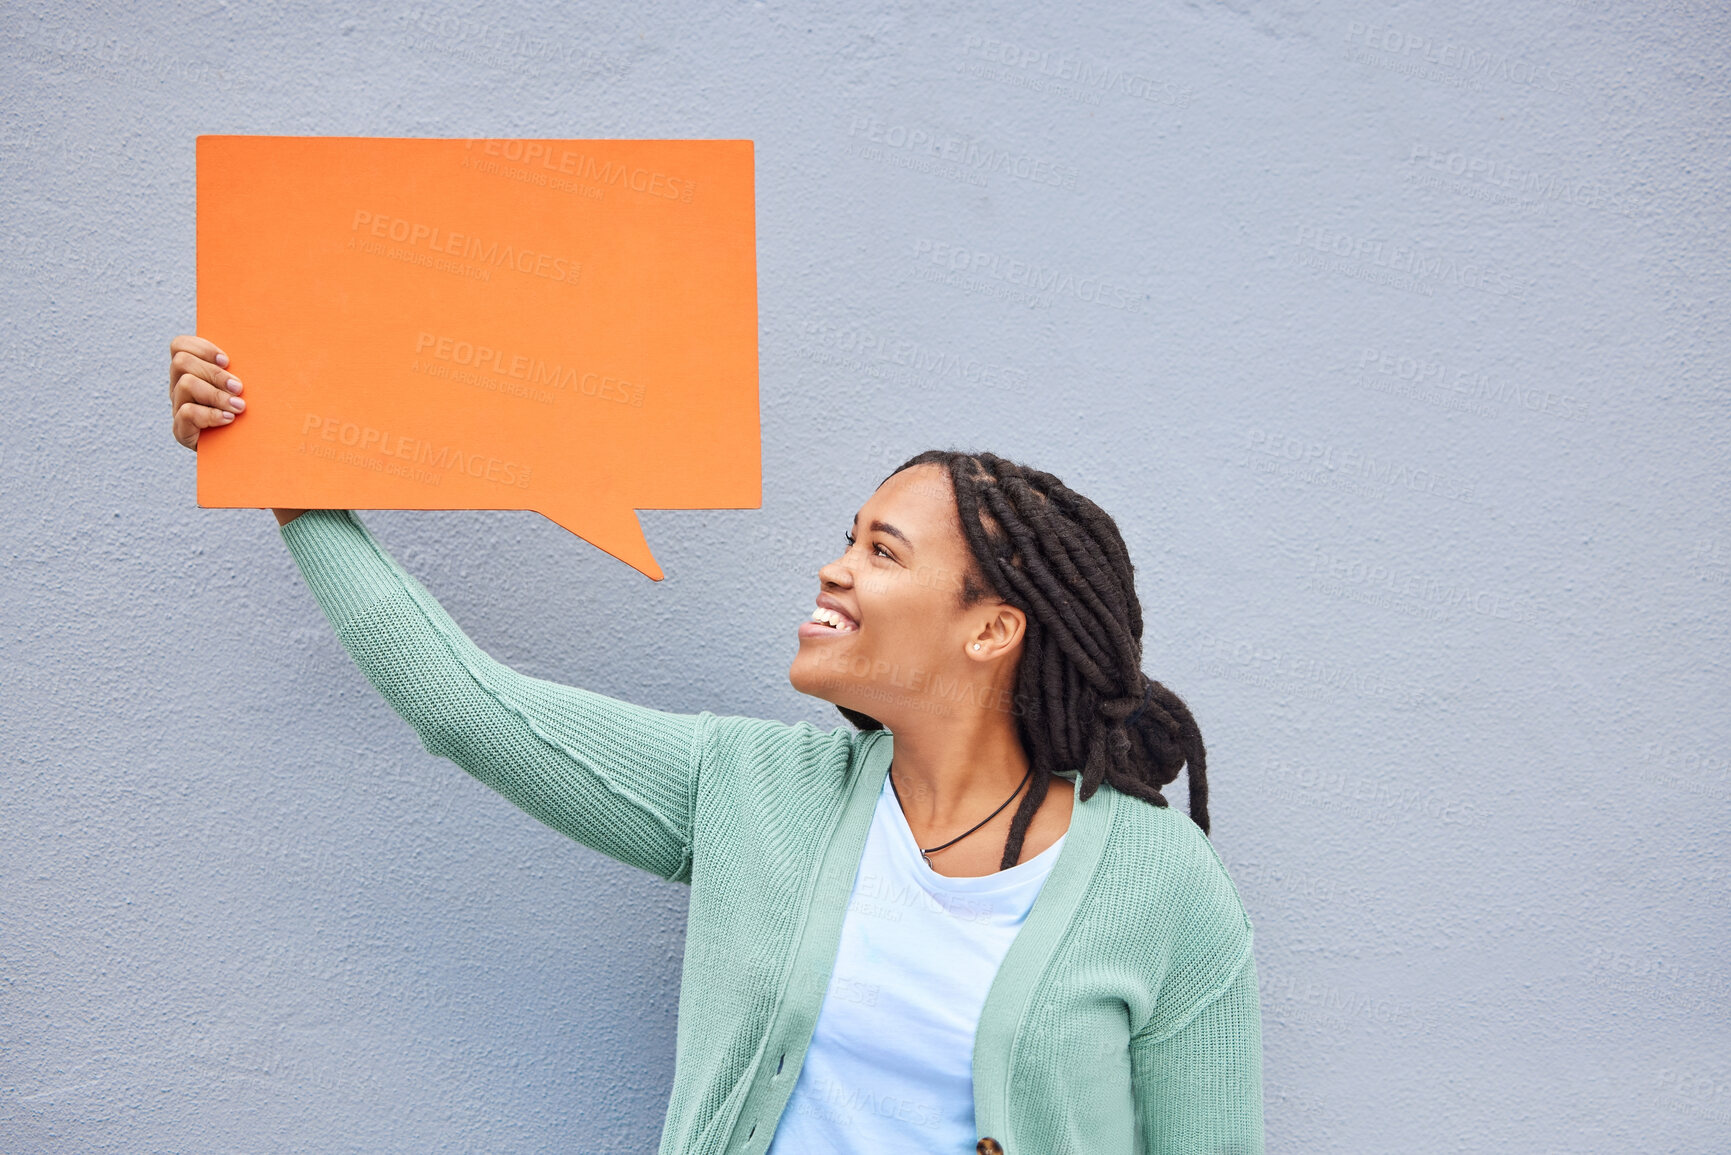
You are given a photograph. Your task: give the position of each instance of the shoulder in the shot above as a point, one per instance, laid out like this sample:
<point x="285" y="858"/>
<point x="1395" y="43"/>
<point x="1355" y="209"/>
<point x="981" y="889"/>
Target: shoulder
<point x="744" y="750"/>
<point x="1196" y="934"/>
<point x="1159" y="850"/>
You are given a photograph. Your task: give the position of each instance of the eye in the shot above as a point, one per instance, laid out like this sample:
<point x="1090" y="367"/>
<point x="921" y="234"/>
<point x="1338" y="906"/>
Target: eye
<point x="848" y="533"/>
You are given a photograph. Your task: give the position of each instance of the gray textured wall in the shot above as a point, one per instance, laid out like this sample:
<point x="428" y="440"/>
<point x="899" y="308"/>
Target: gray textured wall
<point x="1394" y="337"/>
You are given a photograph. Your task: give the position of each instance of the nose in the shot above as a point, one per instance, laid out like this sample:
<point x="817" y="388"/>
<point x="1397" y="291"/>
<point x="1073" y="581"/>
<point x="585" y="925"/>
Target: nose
<point x="835" y="574"/>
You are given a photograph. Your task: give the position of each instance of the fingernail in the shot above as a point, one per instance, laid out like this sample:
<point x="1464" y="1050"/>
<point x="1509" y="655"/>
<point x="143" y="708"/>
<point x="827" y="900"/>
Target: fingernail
<point x="233" y="384"/>
<point x="227" y="416"/>
<point x="237" y="403"/>
<point x="222" y="360"/>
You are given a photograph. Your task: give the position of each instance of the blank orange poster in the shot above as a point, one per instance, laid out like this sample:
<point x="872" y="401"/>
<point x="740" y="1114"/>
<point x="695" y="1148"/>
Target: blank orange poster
<point x="567" y="326"/>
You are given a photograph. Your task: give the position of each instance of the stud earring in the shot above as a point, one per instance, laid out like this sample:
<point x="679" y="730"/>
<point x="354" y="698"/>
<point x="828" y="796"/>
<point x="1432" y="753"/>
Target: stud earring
<point x="976" y="645"/>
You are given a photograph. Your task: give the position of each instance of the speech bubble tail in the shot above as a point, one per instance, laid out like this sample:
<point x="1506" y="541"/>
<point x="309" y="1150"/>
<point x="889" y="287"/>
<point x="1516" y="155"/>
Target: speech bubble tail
<point x="613" y="529"/>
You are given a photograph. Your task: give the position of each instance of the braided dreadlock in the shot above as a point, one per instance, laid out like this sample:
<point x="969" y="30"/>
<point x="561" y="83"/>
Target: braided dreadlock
<point x="1082" y="696"/>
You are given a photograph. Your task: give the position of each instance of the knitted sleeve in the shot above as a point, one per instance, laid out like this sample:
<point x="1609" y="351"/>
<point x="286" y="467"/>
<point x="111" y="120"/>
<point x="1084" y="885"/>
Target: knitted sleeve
<point x="617" y="777"/>
<point x="1198" y="1090"/>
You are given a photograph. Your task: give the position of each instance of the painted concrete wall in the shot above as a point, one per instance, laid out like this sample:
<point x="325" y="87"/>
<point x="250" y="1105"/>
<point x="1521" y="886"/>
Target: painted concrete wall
<point x="1394" y="337"/>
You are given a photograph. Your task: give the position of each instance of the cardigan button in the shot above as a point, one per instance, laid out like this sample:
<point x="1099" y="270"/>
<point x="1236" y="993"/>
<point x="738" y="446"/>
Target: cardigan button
<point x="988" y="1146"/>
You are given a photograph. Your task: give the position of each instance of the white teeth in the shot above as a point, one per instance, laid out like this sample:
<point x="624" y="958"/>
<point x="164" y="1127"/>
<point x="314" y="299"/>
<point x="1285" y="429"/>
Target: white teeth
<point x="831" y="618"/>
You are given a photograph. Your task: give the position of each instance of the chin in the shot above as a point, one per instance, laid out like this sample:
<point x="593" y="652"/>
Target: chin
<point x="816" y="680"/>
<point x="809" y="679"/>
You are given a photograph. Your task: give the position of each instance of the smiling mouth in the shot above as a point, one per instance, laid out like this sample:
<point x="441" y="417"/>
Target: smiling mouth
<point x="833" y="620"/>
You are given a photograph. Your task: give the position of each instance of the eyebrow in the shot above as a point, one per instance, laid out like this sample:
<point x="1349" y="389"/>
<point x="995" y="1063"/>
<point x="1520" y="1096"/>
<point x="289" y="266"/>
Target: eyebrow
<point x="886" y="527"/>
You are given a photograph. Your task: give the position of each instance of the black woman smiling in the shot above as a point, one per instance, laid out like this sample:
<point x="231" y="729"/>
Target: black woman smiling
<point x="969" y="921"/>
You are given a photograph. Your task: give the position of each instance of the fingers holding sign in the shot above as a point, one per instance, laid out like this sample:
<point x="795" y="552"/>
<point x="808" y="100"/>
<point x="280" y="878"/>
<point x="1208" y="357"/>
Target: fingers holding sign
<point x="201" y="390"/>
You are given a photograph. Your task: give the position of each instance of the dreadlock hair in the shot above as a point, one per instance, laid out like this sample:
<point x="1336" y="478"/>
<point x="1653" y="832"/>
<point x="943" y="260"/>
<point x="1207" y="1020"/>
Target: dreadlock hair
<point x="1083" y="700"/>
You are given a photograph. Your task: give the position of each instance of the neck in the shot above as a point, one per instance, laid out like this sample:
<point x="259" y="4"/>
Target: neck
<point x="953" y="771"/>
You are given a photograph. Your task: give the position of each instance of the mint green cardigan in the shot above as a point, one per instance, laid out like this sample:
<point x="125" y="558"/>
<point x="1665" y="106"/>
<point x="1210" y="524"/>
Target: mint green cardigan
<point x="1125" y="1019"/>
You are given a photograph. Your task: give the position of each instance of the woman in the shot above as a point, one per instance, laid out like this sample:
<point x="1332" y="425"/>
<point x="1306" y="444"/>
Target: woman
<point x="901" y="938"/>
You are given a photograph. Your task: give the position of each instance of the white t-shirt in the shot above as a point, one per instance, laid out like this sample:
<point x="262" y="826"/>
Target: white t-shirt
<point x="891" y="1061"/>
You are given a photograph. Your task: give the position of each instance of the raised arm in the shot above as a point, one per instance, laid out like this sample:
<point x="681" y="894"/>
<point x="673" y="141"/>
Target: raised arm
<point x="616" y="777"/>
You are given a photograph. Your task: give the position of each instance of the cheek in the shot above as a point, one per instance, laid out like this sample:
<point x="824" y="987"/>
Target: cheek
<point x="904" y="629"/>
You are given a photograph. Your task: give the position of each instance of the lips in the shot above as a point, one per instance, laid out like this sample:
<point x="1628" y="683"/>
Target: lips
<point x="829" y="615"/>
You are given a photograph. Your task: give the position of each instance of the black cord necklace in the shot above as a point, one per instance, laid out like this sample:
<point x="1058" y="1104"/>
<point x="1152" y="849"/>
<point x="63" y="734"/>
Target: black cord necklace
<point x="927" y="852"/>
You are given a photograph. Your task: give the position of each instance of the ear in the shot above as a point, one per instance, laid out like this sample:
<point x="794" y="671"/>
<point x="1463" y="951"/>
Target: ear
<point x="999" y="634"/>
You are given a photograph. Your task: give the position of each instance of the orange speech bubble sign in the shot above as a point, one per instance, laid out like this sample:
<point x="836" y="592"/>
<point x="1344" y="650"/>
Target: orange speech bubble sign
<point x="567" y="326"/>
